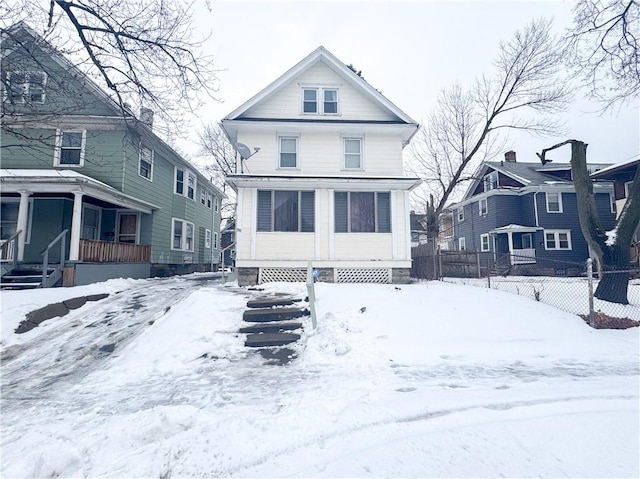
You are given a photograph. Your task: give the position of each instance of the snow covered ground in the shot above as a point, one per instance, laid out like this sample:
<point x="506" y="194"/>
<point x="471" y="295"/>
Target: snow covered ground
<point x="423" y="380"/>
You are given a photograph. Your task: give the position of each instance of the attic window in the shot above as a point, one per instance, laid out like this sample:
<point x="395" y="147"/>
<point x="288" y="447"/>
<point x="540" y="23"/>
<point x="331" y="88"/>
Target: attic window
<point x="25" y="87"/>
<point x="319" y="101"/>
<point x="491" y="181"/>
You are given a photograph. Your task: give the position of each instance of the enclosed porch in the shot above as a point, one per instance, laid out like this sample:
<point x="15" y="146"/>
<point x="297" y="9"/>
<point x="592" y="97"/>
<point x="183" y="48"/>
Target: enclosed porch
<point x="514" y="244"/>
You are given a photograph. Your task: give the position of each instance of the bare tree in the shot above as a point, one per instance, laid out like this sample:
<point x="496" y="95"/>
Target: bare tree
<point x="142" y="52"/>
<point x="220" y="160"/>
<point x="604" y="46"/>
<point x="463" y="129"/>
<point x="612" y="251"/>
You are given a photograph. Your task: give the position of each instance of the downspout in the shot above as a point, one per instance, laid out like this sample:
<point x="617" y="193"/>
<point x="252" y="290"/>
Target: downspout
<point x="535" y="206"/>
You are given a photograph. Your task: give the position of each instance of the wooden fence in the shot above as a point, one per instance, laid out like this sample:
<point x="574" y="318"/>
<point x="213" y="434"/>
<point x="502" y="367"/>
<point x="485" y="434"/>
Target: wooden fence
<point x="435" y="264"/>
<point x="92" y="251"/>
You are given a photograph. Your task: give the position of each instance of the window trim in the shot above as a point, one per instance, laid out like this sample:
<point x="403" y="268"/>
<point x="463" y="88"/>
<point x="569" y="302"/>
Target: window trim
<point x="487" y="179"/>
<point x="546" y="197"/>
<point x="627" y="187"/>
<point x="317" y="102"/>
<point x="183" y="238"/>
<point x="57" y="152"/>
<point x="186" y="174"/>
<point x="207" y="238"/>
<point x="142" y="146"/>
<point x="482" y="238"/>
<point x="376" y="219"/>
<point x="297" y="152"/>
<point x="460" y="214"/>
<point x="85" y="207"/>
<point x="556" y="239"/>
<point x="320" y="99"/>
<point x="209" y="200"/>
<point x="215" y="240"/>
<point x="272" y="212"/>
<point x="486" y="207"/>
<point x="324" y="90"/>
<point x="26" y="87"/>
<point x="462" y="244"/>
<point x="360" y="140"/>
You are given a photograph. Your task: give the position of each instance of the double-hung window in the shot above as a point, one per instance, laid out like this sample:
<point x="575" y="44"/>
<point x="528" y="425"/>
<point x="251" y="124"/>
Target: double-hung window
<point x="330" y="103"/>
<point x="482" y="207"/>
<point x="310" y="100"/>
<point x="491" y="181"/>
<point x="70" y="146"/>
<point x="182" y="235"/>
<point x="554" y="202"/>
<point x="185" y="183"/>
<point x="319" y="101"/>
<point x="353" y="153"/>
<point x="288" y="152"/>
<point x="462" y="244"/>
<point x="145" y="162"/>
<point x="362" y="212"/>
<point x="209" y="200"/>
<point x="207" y="238"/>
<point x="557" y="239"/>
<point x="484" y="242"/>
<point x="285" y="210"/>
<point x="460" y="214"/>
<point x="25" y="87"/>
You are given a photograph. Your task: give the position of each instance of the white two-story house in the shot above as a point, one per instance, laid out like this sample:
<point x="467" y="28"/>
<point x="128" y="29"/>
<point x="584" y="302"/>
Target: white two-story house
<point x="322" y="178"/>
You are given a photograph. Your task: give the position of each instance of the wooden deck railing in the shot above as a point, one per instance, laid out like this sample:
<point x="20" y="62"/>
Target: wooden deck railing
<point x="109" y="252"/>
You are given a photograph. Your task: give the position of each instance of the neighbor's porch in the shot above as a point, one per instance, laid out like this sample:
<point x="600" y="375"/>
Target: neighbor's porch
<point x="515" y="244"/>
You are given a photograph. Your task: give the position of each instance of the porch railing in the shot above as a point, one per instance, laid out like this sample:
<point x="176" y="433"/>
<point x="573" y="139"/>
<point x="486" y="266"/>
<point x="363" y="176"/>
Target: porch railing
<point x="49" y="279"/>
<point x="92" y="251"/>
<point x="9" y="253"/>
<point x="523" y="256"/>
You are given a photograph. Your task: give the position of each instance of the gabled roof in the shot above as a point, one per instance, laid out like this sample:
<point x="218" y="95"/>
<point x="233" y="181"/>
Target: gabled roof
<point x="321" y="54"/>
<point x="609" y="171"/>
<point x="526" y="174"/>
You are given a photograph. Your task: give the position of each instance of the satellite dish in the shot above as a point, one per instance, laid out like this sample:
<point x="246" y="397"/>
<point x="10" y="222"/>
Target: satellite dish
<point x="244" y="150"/>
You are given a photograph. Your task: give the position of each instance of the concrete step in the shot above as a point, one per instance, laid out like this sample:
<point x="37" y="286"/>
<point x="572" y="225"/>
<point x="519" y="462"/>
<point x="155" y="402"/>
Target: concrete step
<point x="271" y="327"/>
<point x="16" y="285"/>
<point x="270" y="301"/>
<point x="270" y="339"/>
<point x="22" y="278"/>
<point x="273" y="314"/>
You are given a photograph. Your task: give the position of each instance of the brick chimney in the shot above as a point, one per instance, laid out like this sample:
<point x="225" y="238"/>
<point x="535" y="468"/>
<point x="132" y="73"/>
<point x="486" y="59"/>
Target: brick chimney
<point x="510" y="156"/>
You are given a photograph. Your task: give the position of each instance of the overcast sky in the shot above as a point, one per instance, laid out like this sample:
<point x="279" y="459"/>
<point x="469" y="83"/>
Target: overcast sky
<point x="408" y="50"/>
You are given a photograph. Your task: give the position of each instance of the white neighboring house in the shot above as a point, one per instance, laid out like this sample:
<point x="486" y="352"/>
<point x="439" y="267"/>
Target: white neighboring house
<point x="325" y="182"/>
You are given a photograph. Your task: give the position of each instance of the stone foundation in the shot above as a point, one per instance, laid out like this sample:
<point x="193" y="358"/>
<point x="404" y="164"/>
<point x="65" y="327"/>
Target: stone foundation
<point x="247" y="276"/>
<point x="401" y="275"/>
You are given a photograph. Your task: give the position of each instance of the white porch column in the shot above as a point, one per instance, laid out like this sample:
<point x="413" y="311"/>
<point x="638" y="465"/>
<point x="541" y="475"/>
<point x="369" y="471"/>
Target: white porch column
<point x="23" y="218"/>
<point x="76" y="224"/>
<point x="510" y="236"/>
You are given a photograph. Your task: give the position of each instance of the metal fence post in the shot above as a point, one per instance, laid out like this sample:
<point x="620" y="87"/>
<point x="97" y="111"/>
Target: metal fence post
<point x="590" y="284"/>
<point x="311" y="292"/>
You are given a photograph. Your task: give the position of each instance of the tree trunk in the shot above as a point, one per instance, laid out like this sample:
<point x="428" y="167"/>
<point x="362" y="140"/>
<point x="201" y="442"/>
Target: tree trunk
<point x="615" y="277"/>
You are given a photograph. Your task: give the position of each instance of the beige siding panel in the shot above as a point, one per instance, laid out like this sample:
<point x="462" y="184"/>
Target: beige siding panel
<point x="245" y="224"/>
<point x="321" y="153"/>
<point x="285" y="246"/>
<point x="287" y="103"/>
<point x="363" y="246"/>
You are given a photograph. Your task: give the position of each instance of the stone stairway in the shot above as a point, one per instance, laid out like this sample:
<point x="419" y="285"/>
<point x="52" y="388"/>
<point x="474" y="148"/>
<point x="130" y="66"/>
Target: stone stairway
<point x="272" y="326"/>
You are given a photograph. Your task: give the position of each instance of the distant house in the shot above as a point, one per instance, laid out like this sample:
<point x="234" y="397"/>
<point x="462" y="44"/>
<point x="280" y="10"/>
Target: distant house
<point x="75" y="169"/>
<point x="419" y="233"/>
<point x="622" y="176"/>
<point x="227" y="243"/>
<point x="524" y="216"/>
<point x="322" y="179"/>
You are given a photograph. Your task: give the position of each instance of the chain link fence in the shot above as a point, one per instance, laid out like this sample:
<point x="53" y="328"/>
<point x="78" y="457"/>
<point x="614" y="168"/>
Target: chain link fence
<point x="569" y="286"/>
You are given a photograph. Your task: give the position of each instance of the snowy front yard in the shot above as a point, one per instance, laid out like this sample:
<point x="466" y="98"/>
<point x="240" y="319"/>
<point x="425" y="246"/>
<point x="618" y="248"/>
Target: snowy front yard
<point x="424" y="380"/>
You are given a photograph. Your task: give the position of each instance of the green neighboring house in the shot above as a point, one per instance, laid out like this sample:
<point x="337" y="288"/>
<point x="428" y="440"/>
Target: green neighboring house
<point x="115" y="199"/>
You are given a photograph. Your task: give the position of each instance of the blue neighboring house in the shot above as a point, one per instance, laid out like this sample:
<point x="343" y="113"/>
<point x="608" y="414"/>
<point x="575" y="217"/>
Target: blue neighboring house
<point x="523" y="217"/>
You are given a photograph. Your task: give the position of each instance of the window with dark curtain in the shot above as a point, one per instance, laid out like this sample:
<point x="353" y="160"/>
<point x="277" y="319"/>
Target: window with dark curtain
<point x="307" y="211"/>
<point x="264" y="210"/>
<point x="363" y="212"/>
<point x="285" y="211"/>
<point x="341" y="210"/>
<point x="384" y="213"/>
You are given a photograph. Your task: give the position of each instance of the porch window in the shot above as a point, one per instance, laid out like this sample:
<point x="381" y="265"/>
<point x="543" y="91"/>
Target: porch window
<point x="145" y="162"/>
<point x="288" y="211"/>
<point x="484" y="242"/>
<point x="362" y="212"/>
<point x="25" y="87"/>
<point x="90" y="223"/>
<point x="482" y="207"/>
<point x="9" y="219"/>
<point x="527" y="241"/>
<point x="70" y="146"/>
<point x="207" y="238"/>
<point x="182" y="234"/>
<point x="462" y="244"/>
<point x="353" y="153"/>
<point x="554" y="202"/>
<point x="288" y="152"/>
<point x="557" y="239"/>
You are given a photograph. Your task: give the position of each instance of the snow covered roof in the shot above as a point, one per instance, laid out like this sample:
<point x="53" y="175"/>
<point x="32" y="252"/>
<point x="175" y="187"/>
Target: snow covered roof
<point x="625" y="165"/>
